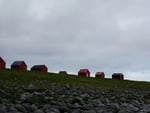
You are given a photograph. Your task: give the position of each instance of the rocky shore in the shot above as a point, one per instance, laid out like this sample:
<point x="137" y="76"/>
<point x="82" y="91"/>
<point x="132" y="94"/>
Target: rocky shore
<point x="66" y="98"/>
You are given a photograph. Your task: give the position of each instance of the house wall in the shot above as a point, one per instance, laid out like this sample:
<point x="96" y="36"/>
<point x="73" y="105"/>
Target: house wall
<point x="84" y="73"/>
<point x="22" y="66"/>
<point x="2" y="64"/>
<point x="42" y="69"/>
<point x="119" y="77"/>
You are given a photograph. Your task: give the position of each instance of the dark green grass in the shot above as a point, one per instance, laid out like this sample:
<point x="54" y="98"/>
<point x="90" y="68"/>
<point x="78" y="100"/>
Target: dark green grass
<point x="43" y="80"/>
<point x="12" y="83"/>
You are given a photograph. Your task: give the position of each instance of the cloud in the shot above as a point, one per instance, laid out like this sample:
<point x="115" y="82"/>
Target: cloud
<point x="110" y="36"/>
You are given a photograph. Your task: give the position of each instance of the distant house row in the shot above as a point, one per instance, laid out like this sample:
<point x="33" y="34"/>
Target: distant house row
<point x="86" y="73"/>
<point x="21" y="65"/>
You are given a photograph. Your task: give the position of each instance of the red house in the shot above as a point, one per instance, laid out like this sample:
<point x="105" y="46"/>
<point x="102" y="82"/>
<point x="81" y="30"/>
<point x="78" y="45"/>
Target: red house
<point x="84" y="72"/>
<point x="2" y="63"/>
<point x="41" y="68"/>
<point x="100" y="75"/>
<point x="21" y="65"/>
<point x="118" y="76"/>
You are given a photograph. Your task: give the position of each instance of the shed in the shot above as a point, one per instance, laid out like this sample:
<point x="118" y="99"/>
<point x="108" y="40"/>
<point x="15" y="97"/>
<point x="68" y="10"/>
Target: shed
<point x="118" y="76"/>
<point x="2" y="63"/>
<point x="21" y="65"/>
<point x="63" y="72"/>
<point x="41" y="68"/>
<point x="84" y="72"/>
<point x="100" y="75"/>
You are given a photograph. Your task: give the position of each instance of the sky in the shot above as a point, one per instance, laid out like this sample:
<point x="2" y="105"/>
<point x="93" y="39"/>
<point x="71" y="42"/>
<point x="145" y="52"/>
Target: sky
<point x="101" y="35"/>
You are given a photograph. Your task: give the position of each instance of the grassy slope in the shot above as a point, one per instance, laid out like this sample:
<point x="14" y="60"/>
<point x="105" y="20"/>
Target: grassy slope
<point x="43" y="80"/>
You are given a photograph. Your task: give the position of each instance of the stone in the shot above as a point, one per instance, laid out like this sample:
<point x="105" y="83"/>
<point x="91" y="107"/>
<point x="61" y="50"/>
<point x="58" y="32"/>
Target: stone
<point x="12" y="109"/>
<point x="3" y="109"/>
<point x="115" y="107"/>
<point x="75" y="111"/>
<point x="2" y="92"/>
<point x="55" y="110"/>
<point x="132" y="108"/>
<point x="125" y="111"/>
<point x="25" y="96"/>
<point x="33" y="108"/>
<point x="20" y="108"/>
<point x="63" y="109"/>
<point x="77" y="105"/>
<point x="90" y="111"/>
<point x="38" y="111"/>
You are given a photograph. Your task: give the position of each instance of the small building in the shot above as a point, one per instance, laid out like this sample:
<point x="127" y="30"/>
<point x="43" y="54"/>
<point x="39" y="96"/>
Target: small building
<point x="118" y="76"/>
<point x="21" y="65"/>
<point x="84" y="72"/>
<point x="2" y="63"/>
<point x="100" y="75"/>
<point x="63" y="72"/>
<point x="41" y="68"/>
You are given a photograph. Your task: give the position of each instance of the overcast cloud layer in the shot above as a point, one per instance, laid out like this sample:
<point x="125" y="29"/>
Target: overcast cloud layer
<point x="101" y="35"/>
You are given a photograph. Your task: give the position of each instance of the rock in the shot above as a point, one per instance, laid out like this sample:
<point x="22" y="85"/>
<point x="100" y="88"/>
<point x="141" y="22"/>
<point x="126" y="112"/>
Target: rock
<point x="89" y="111"/>
<point x="37" y="93"/>
<point x="115" y="107"/>
<point x="38" y="111"/>
<point x="20" y="108"/>
<point x="77" y="105"/>
<point x="12" y="109"/>
<point x="63" y="109"/>
<point x="105" y="101"/>
<point x="33" y="108"/>
<point x="87" y="107"/>
<point x="30" y="88"/>
<point x="55" y="110"/>
<point x="3" y="109"/>
<point x="132" y="108"/>
<point x="2" y="92"/>
<point x="76" y="111"/>
<point x="125" y="111"/>
<point x="27" y="107"/>
<point x="145" y="109"/>
<point x="25" y="96"/>
<point x="78" y="100"/>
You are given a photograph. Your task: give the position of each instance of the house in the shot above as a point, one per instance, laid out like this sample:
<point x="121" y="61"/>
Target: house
<point x="41" y="68"/>
<point x="118" y="76"/>
<point x="63" y="72"/>
<point x="2" y="63"/>
<point x="84" y="72"/>
<point x="21" y="65"/>
<point x="100" y="75"/>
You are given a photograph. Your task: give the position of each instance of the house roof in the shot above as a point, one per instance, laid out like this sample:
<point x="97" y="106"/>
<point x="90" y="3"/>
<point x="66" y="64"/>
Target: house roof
<point x="17" y="62"/>
<point x="2" y="59"/>
<point x="117" y="73"/>
<point x="100" y="73"/>
<point x="38" y="66"/>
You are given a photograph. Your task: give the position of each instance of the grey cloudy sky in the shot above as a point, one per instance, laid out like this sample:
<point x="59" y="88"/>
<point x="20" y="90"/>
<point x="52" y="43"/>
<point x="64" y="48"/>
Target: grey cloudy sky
<point x="101" y="35"/>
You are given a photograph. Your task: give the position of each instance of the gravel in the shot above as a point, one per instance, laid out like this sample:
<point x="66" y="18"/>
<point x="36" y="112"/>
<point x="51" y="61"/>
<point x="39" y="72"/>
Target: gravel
<point x="69" y="99"/>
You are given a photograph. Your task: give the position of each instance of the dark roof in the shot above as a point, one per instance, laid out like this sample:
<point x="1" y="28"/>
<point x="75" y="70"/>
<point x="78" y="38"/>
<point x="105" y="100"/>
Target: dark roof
<point x="99" y="72"/>
<point x="2" y="59"/>
<point x="84" y="70"/>
<point x="62" y="72"/>
<point x="38" y="66"/>
<point x="117" y="73"/>
<point x="17" y="62"/>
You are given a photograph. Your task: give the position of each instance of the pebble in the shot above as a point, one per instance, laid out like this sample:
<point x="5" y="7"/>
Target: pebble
<point x="69" y="99"/>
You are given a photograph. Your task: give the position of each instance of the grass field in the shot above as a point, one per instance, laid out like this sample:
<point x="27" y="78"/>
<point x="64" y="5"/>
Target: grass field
<point x="43" y="80"/>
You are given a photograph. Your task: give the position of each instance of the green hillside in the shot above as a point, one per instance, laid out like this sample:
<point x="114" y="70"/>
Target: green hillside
<point x="20" y="87"/>
<point x="44" y="80"/>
